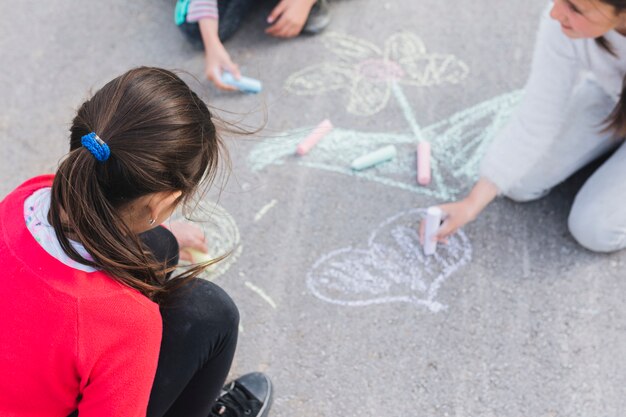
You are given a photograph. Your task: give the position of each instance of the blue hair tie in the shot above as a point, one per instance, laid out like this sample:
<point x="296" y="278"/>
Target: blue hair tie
<point x="96" y="146"/>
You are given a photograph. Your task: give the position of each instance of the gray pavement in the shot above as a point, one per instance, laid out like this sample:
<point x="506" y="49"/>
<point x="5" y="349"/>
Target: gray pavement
<point x="337" y="304"/>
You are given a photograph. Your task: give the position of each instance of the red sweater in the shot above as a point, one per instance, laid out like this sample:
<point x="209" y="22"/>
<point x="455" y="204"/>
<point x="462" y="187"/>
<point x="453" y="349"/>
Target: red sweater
<point x="68" y="339"/>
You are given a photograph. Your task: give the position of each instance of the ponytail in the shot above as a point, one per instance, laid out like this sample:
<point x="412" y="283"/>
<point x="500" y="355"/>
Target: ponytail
<point x="82" y="211"/>
<point x="159" y="137"/>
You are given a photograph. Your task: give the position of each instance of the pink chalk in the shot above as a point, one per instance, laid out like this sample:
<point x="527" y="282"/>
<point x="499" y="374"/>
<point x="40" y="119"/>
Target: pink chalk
<point x="310" y="141"/>
<point x="423" y="163"/>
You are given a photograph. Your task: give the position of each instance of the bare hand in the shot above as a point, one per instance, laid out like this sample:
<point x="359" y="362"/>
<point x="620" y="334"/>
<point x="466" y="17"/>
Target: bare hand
<point x="188" y="236"/>
<point x="456" y="215"/>
<point x="288" y="18"/>
<point x="216" y="61"/>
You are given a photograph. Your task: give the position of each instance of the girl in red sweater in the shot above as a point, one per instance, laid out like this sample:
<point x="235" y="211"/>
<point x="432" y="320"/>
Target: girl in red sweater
<point x="92" y="323"/>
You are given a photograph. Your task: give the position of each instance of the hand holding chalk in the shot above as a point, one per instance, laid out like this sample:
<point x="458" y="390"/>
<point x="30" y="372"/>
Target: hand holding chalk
<point x="432" y="223"/>
<point x="244" y="84"/>
<point x="456" y="215"/>
<point x="198" y="257"/>
<point x="216" y="60"/>
<point x="190" y="238"/>
<point x="310" y="141"/>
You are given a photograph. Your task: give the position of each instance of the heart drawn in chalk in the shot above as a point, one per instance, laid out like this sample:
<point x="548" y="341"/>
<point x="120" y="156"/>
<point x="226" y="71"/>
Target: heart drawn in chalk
<point x="391" y="268"/>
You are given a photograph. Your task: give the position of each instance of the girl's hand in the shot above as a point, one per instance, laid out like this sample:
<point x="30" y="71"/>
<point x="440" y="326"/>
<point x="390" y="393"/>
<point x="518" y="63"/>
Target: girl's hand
<point x="188" y="235"/>
<point x="456" y="215"/>
<point x="217" y="60"/>
<point x="288" y="18"/>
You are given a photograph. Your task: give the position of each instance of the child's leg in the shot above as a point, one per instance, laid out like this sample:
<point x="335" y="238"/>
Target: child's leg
<point x="231" y="13"/>
<point x="580" y="142"/>
<point x="163" y="245"/>
<point x="200" y="327"/>
<point x="192" y="33"/>
<point x="598" y="217"/>
<point x="318" y="19"/>
<point x="200" y="324"/>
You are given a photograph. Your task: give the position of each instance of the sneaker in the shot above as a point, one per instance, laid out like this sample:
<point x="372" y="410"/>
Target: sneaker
<point x="318" y="19"/>
<point x="247" y="396"/>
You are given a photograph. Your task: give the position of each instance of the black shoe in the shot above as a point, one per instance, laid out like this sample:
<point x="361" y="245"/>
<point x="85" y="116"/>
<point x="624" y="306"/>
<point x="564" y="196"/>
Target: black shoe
<point x="318" y="19"/>
<point x="247" y="396"/>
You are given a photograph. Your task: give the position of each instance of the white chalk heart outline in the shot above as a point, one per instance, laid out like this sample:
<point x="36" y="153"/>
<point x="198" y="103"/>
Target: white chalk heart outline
<point x="408" y="258"/>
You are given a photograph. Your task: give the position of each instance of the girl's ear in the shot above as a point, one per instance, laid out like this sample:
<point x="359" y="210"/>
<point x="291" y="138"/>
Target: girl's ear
<point x="163" y="203"/>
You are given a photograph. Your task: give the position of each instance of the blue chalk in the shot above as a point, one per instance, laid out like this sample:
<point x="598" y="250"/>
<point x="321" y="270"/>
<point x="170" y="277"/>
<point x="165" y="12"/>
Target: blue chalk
<point x="245" y="84"/>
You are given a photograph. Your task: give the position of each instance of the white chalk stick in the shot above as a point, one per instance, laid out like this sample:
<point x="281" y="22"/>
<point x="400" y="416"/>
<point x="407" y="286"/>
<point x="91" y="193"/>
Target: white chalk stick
<point x="433" y="220"/>
<point x="310" y="141"/>
<point x="376" y="157"/>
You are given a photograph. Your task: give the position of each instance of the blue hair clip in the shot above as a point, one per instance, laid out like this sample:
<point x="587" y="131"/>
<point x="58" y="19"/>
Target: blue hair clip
<point x="96" y="146"/>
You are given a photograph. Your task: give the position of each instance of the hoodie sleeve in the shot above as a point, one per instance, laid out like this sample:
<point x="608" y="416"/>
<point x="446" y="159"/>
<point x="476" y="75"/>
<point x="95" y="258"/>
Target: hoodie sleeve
<point x="538" y="119"/>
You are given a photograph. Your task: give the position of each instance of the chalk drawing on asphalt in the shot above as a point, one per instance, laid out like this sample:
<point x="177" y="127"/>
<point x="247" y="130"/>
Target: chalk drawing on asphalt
<point x="221" y="235"/>
<point x="367" y="73"/>
<point x="458" y="144"/>
<point x="264" y="210"/>
<point x="259" y="291"/>
<point x="390" y="267"/>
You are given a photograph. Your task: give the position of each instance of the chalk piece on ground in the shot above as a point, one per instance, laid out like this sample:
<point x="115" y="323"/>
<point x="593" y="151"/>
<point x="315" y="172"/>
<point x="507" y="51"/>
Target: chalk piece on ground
<point x="423" y="163"/>
<point x="198" y="257"/>
<point x="310" y="141"/>
<point x="376" y="157"/>
<point x="433" y="220"/>
<point x="245" y="84"/>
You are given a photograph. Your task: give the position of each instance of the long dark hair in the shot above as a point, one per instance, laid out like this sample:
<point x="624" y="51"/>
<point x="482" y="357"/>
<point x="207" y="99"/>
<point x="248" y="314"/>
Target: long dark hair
<point x="162" y="139"/>
<point x="616" y="121"/>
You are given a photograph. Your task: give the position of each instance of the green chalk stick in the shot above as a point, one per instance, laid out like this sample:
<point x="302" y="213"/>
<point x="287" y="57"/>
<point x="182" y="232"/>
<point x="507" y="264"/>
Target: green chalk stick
<point x="374" y="158"/>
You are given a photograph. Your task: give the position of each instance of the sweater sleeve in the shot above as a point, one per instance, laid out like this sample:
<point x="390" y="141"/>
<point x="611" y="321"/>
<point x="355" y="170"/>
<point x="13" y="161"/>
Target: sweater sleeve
<point x="202" y="9"/>
<point x="118" y="347"/>
<point x="537" y="120"/>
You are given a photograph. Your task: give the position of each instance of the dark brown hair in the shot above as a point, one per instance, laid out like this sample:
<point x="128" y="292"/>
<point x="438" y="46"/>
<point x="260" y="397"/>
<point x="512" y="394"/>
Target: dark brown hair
<point x="616" y="121"/>
<point x="162" y="139"/>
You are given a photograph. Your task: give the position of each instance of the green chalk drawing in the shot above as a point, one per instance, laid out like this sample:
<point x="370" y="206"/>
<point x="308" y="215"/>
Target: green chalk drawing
<point x="391" y="266"/>
<point x="458" y="144"/>
<point x="407" y="111"/>
<point x="368" y="73"/>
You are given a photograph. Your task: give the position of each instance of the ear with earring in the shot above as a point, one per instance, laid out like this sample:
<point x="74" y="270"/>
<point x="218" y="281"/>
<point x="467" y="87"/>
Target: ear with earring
<point x="151" y="222"/>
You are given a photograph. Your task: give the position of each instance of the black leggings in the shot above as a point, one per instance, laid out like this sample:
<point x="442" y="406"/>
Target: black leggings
<point x="200" y="325"/>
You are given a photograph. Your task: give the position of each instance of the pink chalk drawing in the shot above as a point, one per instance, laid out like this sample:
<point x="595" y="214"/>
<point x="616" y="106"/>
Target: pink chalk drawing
<point x="368" y="73"/>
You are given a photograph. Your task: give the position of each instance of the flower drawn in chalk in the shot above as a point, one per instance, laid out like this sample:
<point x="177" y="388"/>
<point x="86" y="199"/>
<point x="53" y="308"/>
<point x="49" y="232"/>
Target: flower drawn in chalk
<point x="367" y="72"/>
<point x="458" y="143"/>
<point x="391" y="268"/>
